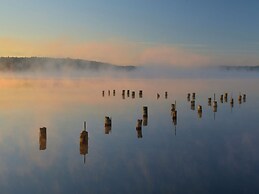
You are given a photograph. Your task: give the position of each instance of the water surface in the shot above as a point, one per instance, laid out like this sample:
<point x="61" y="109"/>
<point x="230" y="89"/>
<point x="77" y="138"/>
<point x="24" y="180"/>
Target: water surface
<point x="217" y="153"/>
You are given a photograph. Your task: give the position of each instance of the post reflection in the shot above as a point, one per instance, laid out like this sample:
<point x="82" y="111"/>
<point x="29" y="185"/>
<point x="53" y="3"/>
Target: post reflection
<point x="174" y="116"/>
<point x="84" y="142"/>
<point x="145" y="115"/>
<point x="43" y="138"/>
<point x="139" y="128"/>
<point x="107" y="125"/>
<point x="192" y="105"/>
<point x="199" y="111"/>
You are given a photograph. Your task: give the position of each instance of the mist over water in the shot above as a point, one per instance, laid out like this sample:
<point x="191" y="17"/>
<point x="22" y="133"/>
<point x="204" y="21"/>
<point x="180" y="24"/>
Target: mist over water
<point x="212" y="152"/>
<point x="139" y="72"/>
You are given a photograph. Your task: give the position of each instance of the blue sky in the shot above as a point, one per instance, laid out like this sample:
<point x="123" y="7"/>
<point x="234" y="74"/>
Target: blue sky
<point x="204" y="27"/>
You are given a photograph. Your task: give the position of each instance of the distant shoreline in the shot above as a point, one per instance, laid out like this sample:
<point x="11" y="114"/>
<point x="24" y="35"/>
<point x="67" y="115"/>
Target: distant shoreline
<point x="240" y="68"/>
<point x="21" y="64"/>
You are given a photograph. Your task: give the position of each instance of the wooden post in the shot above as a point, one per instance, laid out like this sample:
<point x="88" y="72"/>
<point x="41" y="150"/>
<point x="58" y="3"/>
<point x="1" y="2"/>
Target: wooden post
<point x="188" y="97"/>
<point x="209" y="101"/>
<point x="193" y="95"/>
<point x="43" y="138"/>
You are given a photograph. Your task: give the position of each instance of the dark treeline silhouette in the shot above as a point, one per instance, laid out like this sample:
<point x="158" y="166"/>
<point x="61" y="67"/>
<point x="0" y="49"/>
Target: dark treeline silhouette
<point x="240" y="68"/>
<point x="19" y="64"/>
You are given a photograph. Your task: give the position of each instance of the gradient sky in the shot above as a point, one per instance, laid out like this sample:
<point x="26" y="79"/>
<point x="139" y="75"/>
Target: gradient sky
<point x="170" y="32"/>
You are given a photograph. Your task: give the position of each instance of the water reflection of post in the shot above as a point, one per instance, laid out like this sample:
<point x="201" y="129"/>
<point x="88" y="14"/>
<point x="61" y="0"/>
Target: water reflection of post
<point x="199" y="111"/>
<point x="174" y="116"/>
<point x="215" y="108"/>
<point x="244" y="97"/>
<point x="84" y="142"/>
<point x="231" y="103"/>
<point x="43" y="138"/>
<point x="145" y="115"/>
<point x="192" y="105"/>
<point x="107" y="125"/>
<point x="139" y="128"/>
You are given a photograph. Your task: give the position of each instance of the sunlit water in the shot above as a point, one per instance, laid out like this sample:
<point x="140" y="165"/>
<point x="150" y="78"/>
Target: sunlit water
<point x="217" y="153"/>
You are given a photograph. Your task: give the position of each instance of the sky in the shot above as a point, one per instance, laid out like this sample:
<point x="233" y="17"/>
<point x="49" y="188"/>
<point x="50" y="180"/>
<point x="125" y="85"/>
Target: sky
<point x="133" y="32"/>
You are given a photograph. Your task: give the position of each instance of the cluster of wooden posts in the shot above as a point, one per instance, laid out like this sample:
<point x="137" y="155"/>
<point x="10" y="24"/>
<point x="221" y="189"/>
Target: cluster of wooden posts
<point x="130" y="94"/>
<point x="124" y="93"/>
<point x="223" y="99"/>
<point x="191" y="97"/>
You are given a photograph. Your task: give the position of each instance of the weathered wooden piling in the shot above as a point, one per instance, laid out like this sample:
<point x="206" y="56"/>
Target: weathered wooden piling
<point x="215" y="109"/>
<point x="209" y="101"/>
<point x="109" y="92"/>
<point x="221" y="98"/>
<point x="188" y="97"/>
<point x="193" y="95"/>
<point x="107" y="121"/>
<point x="166" y="95"/>
<point x="123" y="94"/>
<point x="145" y="115"/>
<point x="226" y="97"/>
<point x="113" y="92"/>
<point x="139" y="123"/>
<point x="157" y="96"/>
<point x="128" y="93"/>
<point x="145" y="111"/>
<point x="174" y="114"/>
<point x="140" y="93"/>
<point x="103" y="93"/>
<point x="83" y="147"/>
<point x="133" y="94"/>
<point x="215" y="106"/>
<point x="43" y="138"/>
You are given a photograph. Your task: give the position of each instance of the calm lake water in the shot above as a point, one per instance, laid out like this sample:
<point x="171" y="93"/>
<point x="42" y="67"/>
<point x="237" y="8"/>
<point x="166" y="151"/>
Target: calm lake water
<point x="217" y="153"/>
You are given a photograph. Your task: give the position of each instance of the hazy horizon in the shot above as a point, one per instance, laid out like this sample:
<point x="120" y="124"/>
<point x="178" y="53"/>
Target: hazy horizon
<point x="175" y="33"/>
